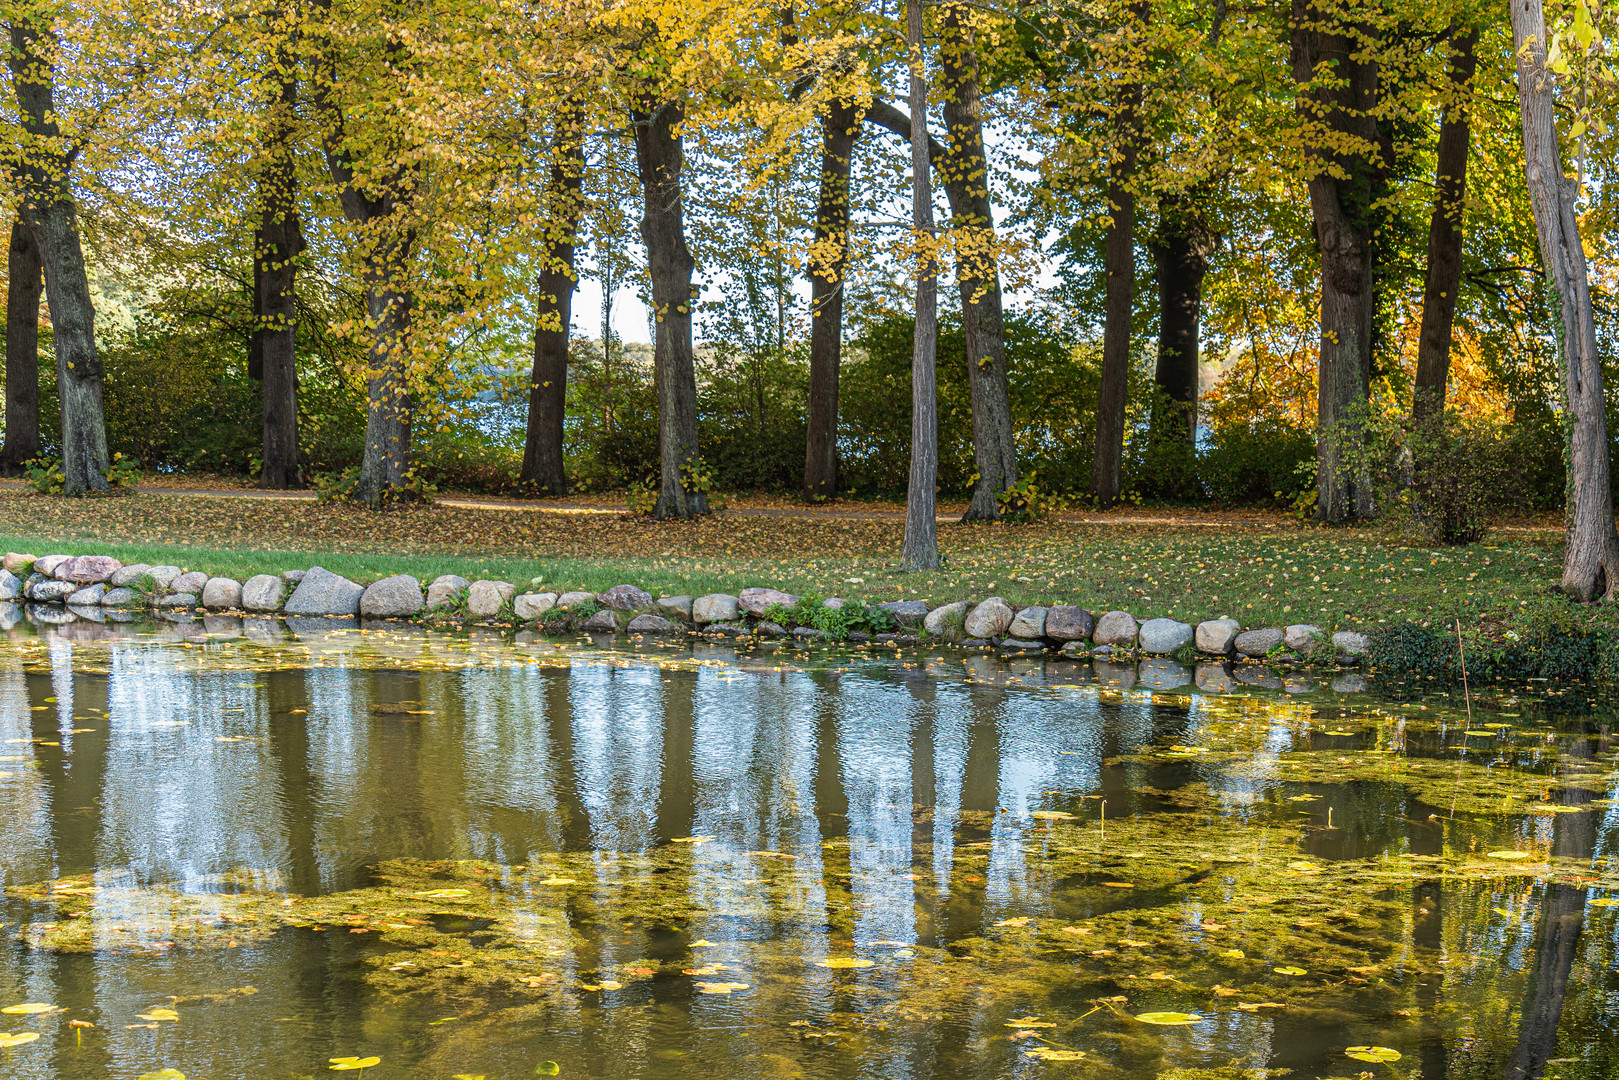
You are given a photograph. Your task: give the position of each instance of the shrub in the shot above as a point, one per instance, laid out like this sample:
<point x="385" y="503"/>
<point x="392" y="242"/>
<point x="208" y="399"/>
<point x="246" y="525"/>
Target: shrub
<point x="1258" y="460"/>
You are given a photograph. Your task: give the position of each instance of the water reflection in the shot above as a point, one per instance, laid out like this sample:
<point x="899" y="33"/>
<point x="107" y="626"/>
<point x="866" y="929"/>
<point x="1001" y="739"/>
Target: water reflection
<point x="754" y="821"/>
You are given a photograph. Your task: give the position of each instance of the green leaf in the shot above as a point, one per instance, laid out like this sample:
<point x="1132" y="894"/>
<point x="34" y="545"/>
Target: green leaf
<point x="1169" y="1019"/>
<point x="1372" y="1053"/>
<point x="547" y="1068"/>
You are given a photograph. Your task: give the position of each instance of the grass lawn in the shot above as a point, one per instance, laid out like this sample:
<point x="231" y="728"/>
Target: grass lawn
<point x="1260" y="570"/>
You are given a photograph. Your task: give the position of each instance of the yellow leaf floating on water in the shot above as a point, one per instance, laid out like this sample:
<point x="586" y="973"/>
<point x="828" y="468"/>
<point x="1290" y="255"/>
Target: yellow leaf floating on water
<point x="1508" y="854"/>
<point x="1134" y="944"/>
<point x="1372" y="1053"/>
<point x="558" y="881"/>
<point x="1169" y="1019"/>
<point x="1235" y="954"/>
<point x="346" y="1064"/>
<point x="547" y="1068"/>
<point x="28" y="1008"/>
<point x="8" y="1039"/>
<point x="692" y="839"/>
<point x="1290" y="970"/>
<point x="605" y="984"/>
<point x="1042" y="1053"/>
<point x="1605" y="901"/>
<point x="845" y="962"/>
<point x="702" y="943"/>
<point x="443" y="894"/>
<point x="1051" y="815"/>
<point x="163" y="1074"/>
<point x="1118" y="885"/>
<point x="1029" y="1022"/>
<point x="1255" y="1006"/>
<point x="1014" y="922"/>
<point x="159" y="1013"/>
<point x="719" y="987"/>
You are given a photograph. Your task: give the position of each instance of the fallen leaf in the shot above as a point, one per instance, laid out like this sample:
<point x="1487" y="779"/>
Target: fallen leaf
<point x="719" y="987"/>
<point x="8" y="1039"/>
<point x="345" y="1064"/>
<point x="1290" y="970"/>
<point x="1372" y="1053"/>
<point x="844" y="962"/>
<point x="1169" y="1019"/>
<point x="28" y="1008"/>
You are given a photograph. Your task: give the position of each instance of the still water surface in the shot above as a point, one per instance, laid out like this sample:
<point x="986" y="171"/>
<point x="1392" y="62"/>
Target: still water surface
<point x="469" y="856"/>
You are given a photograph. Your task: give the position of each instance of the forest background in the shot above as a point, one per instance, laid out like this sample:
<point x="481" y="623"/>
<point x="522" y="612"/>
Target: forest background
<point x="310" y="229"/>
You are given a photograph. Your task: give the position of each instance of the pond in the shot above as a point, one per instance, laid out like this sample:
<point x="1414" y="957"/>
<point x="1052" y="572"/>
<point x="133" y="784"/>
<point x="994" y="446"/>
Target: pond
<point x="235" y="855"/>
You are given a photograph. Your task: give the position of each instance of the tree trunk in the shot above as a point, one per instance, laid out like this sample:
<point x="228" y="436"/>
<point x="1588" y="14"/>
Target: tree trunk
<point x="48" y="209"/>
<point x="548" y="384"/>
<point x="828" y="265"/>
<point x="660" y="156"/>
<point x="1591" y="557"/>
<point x="1444" y="277"/>
<point x="1107" y="464"/>
<point x="1341" y="208"/>
<point x="278" y="242"/>
<point x="22" y="350"/>
<point x="920" y="548"/>
<point x="1180" y="252"/>
<point x="965" y="174"/>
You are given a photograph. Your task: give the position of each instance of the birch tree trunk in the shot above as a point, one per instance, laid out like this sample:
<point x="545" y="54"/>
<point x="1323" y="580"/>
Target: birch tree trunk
<point x="22" y="350"/>
<point x="44" y="175"/>
<point x="839" y="130"/>
<point x="1591" y="555"/>
<point x="920" y="549"/>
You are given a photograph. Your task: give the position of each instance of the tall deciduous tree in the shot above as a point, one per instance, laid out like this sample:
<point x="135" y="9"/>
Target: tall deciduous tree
<point x="23" y="287"/>
<point x="548" y="382"/>
<point x="1591" y="556"/>
<point x="1180" y="254"/>
<point x="920" y="548"/>
<point x="277" y="243"/>
<point x="47" y="205"/>
<point x="829" y="262"/>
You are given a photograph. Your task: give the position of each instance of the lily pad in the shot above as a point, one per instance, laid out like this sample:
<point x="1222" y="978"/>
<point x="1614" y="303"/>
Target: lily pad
<point x="719" y="987"/>
<point x="28" y="1008"/>
<point x="159" y="1013"/>
<point x="1042" y="1053"/>
<point x="1051" y="815"/>
<point x="1508" y="854"/>
<point x="845" y="962"/>
<point x="347" y="1064"/>
<point x="1372" y="1053"/>
<point x="443" y="894"/>
<point x="8" y="1039"/>
<point x="547" y="1068"/>
<point x="1169" y="1019"/>
<point x="163" y="1074"/>
<point x="1290" y="970"/>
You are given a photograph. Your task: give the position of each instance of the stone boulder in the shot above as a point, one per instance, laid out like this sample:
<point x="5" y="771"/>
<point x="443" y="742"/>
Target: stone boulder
<point x="1164" y="636"/>
<point x="770" y="630"/>
<point x="89" y="596"/>
<point x="322" y="593"/>
<point x="51" y="590"/>
<point x="758" y="601"/>
<point x="162" y="576"/>
<point x="176" y="600"/>
<point x="1350" y="684"/>
<point x="397" y="597"/>
<point x="650" y="624"/>
<point x="1351" y="644"/>
<point x="676" y="605"/>
<point x="1258" y="642"/>
<point x="293" y="577"/>
<point x="1302" y="637"/>
<point x="905" y="612"/>
<point x="222" y="594"/>
<point x="119" y="597"/>
<point x="262" y="592"/>
<point x="446" y="587"/>
<point x="531" y="605"/>
<point x="624" y="598"/>
<point x="1217" y="636"/>
<point x="10" y="585"/>
<point x="125" y="576"/>
<point x="946" y="618"/>
<point x="715" y="608"/>
<point x="835" y="603"/>
<point x="18" y="563"/>
<point x="89" y="569"/>
<point x="47" y="564"/>
<point x="988" y="619"/>
<point x="486" y="598"/>
<point x="575" y="598"/>
<point x="604" y="621"/>
<point x="191" y="582"/>
<point x="1065" y="622"/>
<point x="1116" y="628"/>
<point x="1029" y="623"/>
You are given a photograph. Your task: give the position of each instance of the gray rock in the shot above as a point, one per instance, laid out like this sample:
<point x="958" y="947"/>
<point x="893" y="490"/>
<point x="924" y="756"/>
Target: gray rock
<point x="758" y="601"/>
<point x="770" y="630"/>
<point x="715" y="608"/>
<point x="1075" y="648"/>
<point x="10" y="585"/>
<point x="52" y="616"/>
<point x="650" y="624"/>
<point x="1029" y="623"/>
<point x="18" y="563"/>
<point x="1163" y="674"/>
<point x="1065" y="622"/>
<point x="726" y="629"/>
<point x="1217" y="635"/>
<point x="1258" y="642"/>
<point x="397" y="597"/>
<point x="192" y="582"/>
<point x="176" y="600"/>
<point x="1350" y="684"/>
<point x="1163" y="636"/>
<point x="988" y="619"/>
<point x="10" y="614"/>
<point x="320" y="629"/>
<point x="946" y="619"/>
<point x="293" y="577"/>
<point x="1022" y="645"/>
<point x="445" y="588"/>
<point x="222" y="594"/>
<point x="835" y="603"/>
<point x="575" y="598"/>
<point x="47" y="564"/>
<point x="1117" y="628"/>
<point x="530" y="606"/>
<point x="856" y="636"/>
<point x="128" y="575"/>
<point x="119" y="597"/>
<point x="1122" y="676"/>
<point x="50" y="591"/>
<point x="624" y="598"/>
<point x="322" y="592"/>
<point x="262" y="592"/>
<point x="809" y="633"/>
<point x="1302" y="637"/>
<point x="486" y="598"/>
<point x="89" y="596"/>
<point x="222" y="626"/>
<point x="906" y="612"/>
<point x="965" y="643"/>
<point x="89" y="569"/>
<point x="604" y="621"/>
<point x="162" y="576"/>
<point x="676" y="605"/>
<point x="1214" y="679"/>
<point x="1351" y="644"/>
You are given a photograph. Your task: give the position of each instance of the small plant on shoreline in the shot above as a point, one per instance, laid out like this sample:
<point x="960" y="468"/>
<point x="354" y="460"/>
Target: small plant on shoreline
<point x="641" y="497"/>
<point x="1025" y="501"/>
<point x="124" y="473"/>
<point x="835" y="622"/>
<point x="43" y="475"/>
<point x="566" y="620"/>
